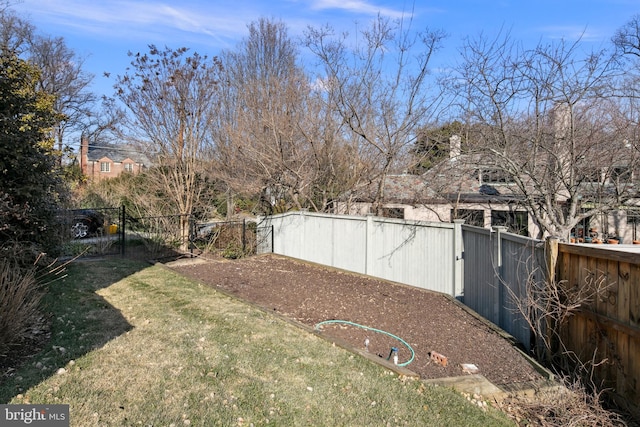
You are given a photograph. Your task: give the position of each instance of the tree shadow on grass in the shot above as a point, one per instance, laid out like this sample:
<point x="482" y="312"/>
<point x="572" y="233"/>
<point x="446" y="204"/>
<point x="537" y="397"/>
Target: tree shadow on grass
<point x="75" y="321"/>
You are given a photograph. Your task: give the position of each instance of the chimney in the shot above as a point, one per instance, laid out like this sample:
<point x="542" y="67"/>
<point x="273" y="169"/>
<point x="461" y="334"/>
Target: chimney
<point x="84" y="151"/>
<point x="454" y="147"/>
<point x="561" y="114"/>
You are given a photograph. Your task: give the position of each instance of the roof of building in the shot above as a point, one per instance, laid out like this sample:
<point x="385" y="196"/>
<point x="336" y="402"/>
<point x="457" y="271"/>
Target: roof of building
<point x="117" y="153"/>
<point x="416" y="189"/>
<point x="451" y="180"/>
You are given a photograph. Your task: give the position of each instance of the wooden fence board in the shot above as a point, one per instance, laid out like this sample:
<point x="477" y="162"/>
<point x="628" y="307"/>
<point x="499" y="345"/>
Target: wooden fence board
<point x="605" y="331"/>
<point x="598" y="278"/>
<point x="634" y="371"/>
<point x="609" y="335"/>
<point x="623" y="361"/>
<point x="630" y="277"/>
<point x="609" y="372"/>
<point x="634" y="301"/>
<point x="583" y="329"/>
<point x="574" y="271"/>
<point x="611" y="293"/>
<point x="622" y="343"/>
<point x="633" y="308"/>
<point x="609" y="288"/>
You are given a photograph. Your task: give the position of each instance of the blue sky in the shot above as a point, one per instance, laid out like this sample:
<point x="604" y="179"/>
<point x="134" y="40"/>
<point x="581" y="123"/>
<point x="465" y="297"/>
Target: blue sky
<point x="103" y="31"/>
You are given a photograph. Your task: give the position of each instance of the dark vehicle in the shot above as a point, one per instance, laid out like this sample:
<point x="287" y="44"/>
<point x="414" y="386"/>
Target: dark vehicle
<point x="85" y="223"/>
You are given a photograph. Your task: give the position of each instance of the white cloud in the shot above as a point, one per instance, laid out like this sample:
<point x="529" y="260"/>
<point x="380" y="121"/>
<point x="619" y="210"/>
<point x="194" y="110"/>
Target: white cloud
<point x="571" y="32"/>
<point x="132" y="20"/>
<point x="358" y="6"/>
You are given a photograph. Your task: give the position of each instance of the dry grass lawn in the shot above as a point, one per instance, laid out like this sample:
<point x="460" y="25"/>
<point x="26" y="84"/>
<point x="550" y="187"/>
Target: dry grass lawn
<point x="139" y="345"/>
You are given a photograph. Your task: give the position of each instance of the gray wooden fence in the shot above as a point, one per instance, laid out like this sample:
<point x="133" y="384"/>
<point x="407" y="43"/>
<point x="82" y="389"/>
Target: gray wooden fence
<point x="497" y="268"/>
<point x="485" y="269"/>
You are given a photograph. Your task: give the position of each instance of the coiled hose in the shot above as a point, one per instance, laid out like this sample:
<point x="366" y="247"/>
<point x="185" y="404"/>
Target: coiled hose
<point x="368" y="328"/>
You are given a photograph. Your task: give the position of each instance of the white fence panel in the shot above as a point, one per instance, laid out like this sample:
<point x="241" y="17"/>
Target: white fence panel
<point x="418" y="254"/>
<point x="334" y="240"/>
<point x="415" y="253"/>
<point x="351" y="251"/>
<point x="487" y="269"/>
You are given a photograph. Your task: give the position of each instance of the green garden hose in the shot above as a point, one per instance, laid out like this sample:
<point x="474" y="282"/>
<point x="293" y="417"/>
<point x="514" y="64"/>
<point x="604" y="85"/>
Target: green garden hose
<point x="346" y="322"/>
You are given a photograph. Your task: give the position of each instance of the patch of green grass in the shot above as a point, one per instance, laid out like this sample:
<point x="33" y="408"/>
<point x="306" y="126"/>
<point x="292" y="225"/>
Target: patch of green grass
<point x="145" y="346"/>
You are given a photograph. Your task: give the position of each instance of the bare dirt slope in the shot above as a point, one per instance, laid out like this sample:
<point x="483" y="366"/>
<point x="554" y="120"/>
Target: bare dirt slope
<point x="427" y="321"/>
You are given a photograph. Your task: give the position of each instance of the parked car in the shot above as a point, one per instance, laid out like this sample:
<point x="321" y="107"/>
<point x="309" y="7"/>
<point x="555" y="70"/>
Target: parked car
<point x="86" y="222"/>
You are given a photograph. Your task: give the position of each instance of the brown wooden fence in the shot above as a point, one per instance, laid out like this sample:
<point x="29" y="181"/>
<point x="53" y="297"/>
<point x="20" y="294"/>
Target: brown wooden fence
<point x="606" y="331"/>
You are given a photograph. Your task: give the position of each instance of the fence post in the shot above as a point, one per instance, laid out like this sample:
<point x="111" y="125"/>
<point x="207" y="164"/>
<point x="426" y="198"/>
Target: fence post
<point x="244" y="236"/>
<point x="368" y="246"/>
<point x="458" y="253"/>
<point x="122" y="232"/>
<point x="551" y="255"/>
<point x="260" y="236"/>
<point x="498" y="274"/>
<point x="551" y="260"/>
<point x="192" y="234"/>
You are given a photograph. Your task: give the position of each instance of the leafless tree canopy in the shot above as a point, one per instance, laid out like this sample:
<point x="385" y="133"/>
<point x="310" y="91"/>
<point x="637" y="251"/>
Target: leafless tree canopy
<point x="61" y="72"/>
<point x="627" y="38"/>
<point x="260" y="148"/>
<point x="552" y="120"/>
<point x="15" y="32"/>
<point x="169" y="97"/>
<point x="276" y="135"/>
<point x="377" y="85"/>
<point x="62" y="75"/>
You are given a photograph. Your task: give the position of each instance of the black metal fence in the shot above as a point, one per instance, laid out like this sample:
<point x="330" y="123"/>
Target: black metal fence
<point x="229" y="239"/>
<point x="112" y="231"/>
<point x="95" y="231"/>
<point x="156" y="237"/>
<point x="265" y="235"/>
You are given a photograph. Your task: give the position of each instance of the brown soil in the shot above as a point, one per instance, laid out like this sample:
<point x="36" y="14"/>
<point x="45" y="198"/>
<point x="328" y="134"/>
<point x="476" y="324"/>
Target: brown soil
<point x="427" y="321"/>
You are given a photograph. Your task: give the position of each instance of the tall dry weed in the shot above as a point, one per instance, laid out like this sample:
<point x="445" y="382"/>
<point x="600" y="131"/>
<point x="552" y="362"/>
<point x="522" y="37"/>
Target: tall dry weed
<point x="20" y="296"/>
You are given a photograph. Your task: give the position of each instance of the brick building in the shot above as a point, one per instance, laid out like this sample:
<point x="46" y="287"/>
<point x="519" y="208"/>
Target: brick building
<point x="104" y="161"/>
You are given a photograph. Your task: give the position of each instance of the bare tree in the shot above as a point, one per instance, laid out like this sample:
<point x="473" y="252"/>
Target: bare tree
<point x="15" y="32"/>
<point x="627" y="41"/>
<point x="337" y="166"/>
<point x="377" y="84"/>
<point x="61" y="73"/>
<point x="62" y="76"/>
<point x="549" y="120"/>
<point x="627" y="38"/>
<point x="268" y="93"/>
<point x="170" y="98"/>
<point x="275" y="139"/>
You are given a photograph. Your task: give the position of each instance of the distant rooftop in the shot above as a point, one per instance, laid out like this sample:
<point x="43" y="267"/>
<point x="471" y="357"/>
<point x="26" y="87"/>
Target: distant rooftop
<point x="117" y="153"/>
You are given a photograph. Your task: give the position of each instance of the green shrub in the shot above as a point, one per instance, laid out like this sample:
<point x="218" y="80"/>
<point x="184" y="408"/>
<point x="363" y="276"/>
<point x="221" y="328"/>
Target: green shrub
<point x="233" y="251"/>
